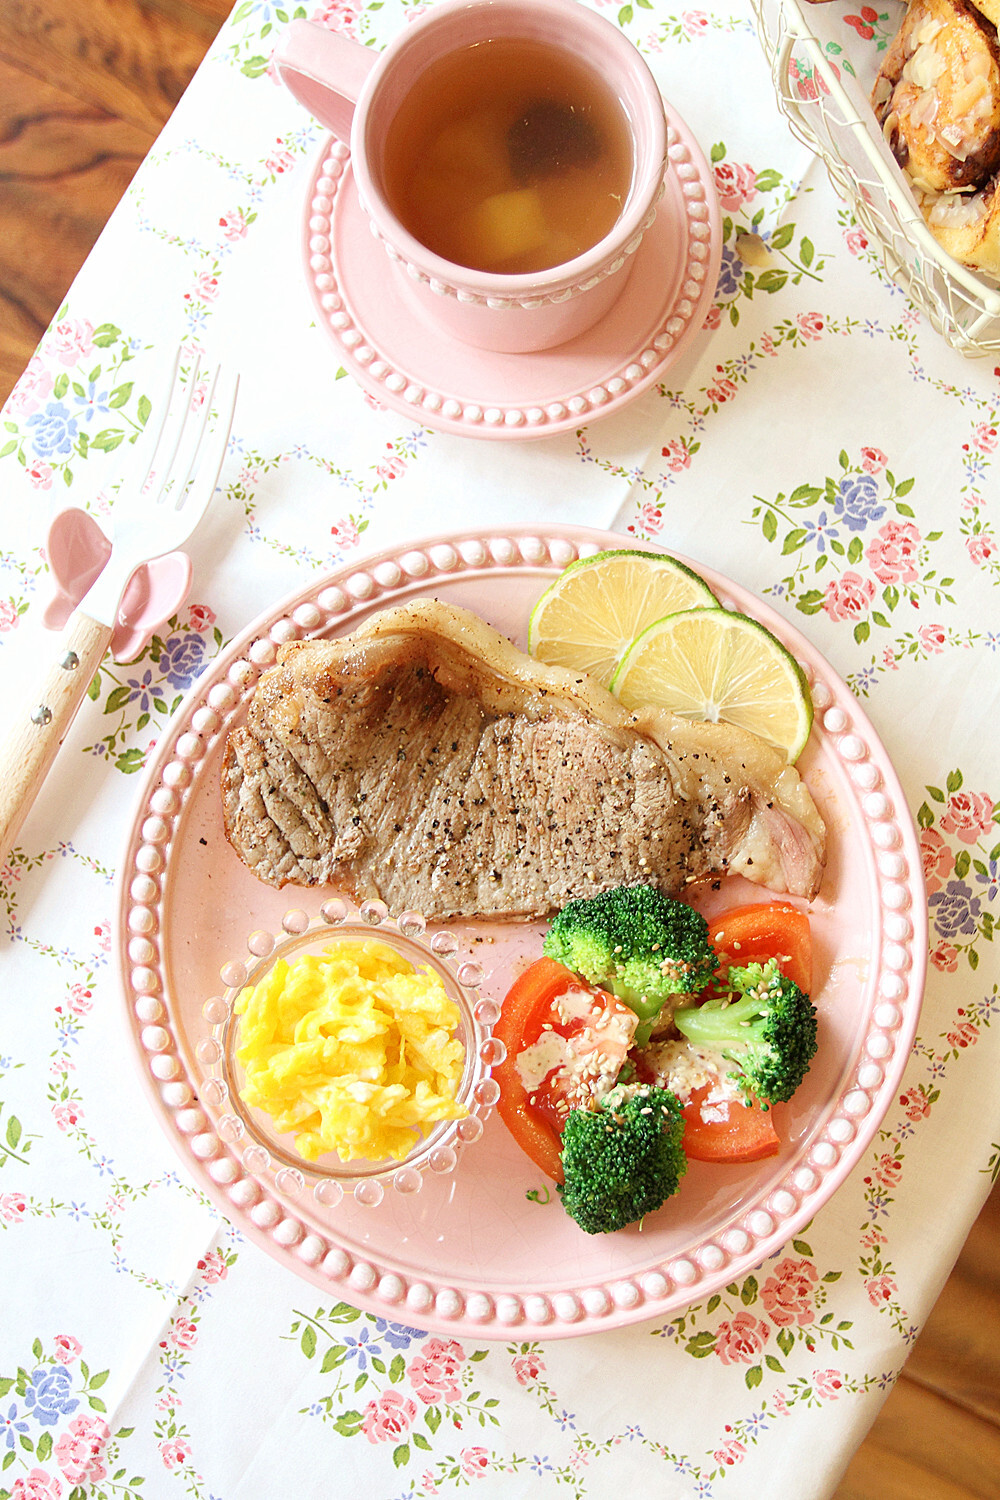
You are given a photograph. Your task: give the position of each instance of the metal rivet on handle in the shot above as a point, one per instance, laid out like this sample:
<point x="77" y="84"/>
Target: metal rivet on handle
<point x="42" y="715"/>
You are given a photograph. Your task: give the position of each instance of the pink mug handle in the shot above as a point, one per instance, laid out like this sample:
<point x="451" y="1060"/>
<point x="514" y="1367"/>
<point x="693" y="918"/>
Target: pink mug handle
<point x="326" y="72"/>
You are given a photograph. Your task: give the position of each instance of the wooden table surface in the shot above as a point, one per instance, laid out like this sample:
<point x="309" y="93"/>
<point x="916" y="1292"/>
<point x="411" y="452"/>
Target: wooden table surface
<point x="85" y="86"/>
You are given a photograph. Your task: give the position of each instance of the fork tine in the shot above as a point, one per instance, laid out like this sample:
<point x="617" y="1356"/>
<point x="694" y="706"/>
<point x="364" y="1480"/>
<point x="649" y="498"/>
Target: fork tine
<point x="202" y="475"/>
<point x="177" y="426"/>
<point x="138" y="460"/>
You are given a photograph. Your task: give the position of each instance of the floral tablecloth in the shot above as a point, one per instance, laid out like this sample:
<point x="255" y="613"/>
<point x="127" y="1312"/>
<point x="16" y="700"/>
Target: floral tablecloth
<point x="818" y="443"/>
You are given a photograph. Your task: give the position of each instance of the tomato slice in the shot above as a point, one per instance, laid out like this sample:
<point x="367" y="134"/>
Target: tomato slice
<point x="769" y="929"/>
<point x="744" y="935"/>
<point x="747" y="1133"/>
<point x="530" y="1005"/>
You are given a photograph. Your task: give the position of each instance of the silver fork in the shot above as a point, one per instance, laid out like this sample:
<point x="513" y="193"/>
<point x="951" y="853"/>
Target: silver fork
<point x="167" y="483"/>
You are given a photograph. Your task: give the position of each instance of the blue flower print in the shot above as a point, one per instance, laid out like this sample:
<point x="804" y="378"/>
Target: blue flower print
<point x="857" y="501"/>
<point x="821" y="531"/>
<point x="9" y="1426"/>
<point x="397" y="1335"/>
<point x="92" y="403"/>
<point x="54" y="431"/>
<point x="730" y="273"/>
<point x="955" y="909"/>
<point x="182" y="659"/>
<point x="141" y="689"/>
<point x="49" y="1395"/>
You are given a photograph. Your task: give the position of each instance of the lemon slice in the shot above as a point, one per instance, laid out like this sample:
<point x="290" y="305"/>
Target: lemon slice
<point x="598" y="605"/>
<point x="717" y="665"/>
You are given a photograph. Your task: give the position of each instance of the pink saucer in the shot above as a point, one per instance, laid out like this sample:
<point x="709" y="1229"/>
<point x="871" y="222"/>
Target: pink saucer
<point x="405" y="363"/>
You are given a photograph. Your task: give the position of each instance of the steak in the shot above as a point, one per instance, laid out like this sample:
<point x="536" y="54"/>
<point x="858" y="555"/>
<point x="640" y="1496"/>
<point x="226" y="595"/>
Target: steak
<point x="426" y="761"/>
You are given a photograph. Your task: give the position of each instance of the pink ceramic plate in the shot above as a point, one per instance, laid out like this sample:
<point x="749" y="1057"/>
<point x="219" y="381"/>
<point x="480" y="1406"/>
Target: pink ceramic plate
<point x="477" y="1252"/>
<point x="405" y="363"/>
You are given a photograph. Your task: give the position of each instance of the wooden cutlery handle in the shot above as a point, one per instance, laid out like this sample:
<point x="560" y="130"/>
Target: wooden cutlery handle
<point x="41" y="726"/>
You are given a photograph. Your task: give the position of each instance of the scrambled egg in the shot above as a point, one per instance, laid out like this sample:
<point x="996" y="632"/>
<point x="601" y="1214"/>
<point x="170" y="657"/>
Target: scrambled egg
<point x="351" y="1050"/>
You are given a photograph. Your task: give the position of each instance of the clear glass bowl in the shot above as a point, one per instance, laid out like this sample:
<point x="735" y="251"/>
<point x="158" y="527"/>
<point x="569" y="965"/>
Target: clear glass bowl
<point x="265" y="1153"/>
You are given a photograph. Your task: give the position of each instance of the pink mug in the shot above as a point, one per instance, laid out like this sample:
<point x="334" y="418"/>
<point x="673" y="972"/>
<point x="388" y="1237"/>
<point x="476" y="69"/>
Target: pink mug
<point x="357" y="92"/>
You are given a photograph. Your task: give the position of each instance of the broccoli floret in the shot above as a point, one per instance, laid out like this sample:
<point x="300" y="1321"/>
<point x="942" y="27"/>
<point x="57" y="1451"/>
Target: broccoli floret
<point x="623" y="1159"/>
<point x="636" y="942"/>
<point x="769" y="1031"/>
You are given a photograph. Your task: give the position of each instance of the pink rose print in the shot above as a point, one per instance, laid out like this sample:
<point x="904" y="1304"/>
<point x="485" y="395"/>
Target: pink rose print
<point x="848" y="597"/>
<point x="730" y="1453"/>
<point x="338" y="15"/>
<point x="8" y="614"/>
<point x="80" y="1001"/>
<point x="984" y="438"/>
<point x="915" y="1104"/>
<point x="40" y="475"/>
<point x="651" y="517"/>
<point x="981" y="548"/>
<point x="880" y="1289"/>
<point x="694" y="22"/>
<point x="945" y="958"/>
<point x="71" y="340"/>
<point x="856" y="241"/>
<point x="434" y="1370"/>
<point x="829" y="1384"/>
<point x="889" y="660"/>
<point x="345" y="534"/>
<point x="721" y="391"/>
<point x="34" y="387"/>
<point x="527" y="1368"/>
<point x="811" y="325"/>
<point x="873" y="460"/>
<point x="677" y="456"/>
<point x="969" y="816"/>
<point x="935" y="857"/>
<point x="200" y="617"/>
<point x="183" y="1333"/>
<point x="213" y="1267"/>
<point x="67" y="1114"/>
<point x="392" y="467"/>
<point x="787" y="1295"/>
<point x="103" y="936"/>
<point x="713" y="318"/>
<point x="932" y="638"/>
<point x="174" y="1451"/>
<point x="965" y="1035"/>
<point x="735" y="185"/>
<point x="388" y="1418"/>
<point x="474" y="1461"/>
<point x="13" y="1207"/>
<point x="36" y="1485"/>
<point x="80" y="1450"/>
<point x="892" y="551"/>
<point x="742" y="1340"/>
<point x="279" y="160"/>
<point x="780" y="1404"/>
<point x="234" y="224"/>
<point x="888" y="1171"/>
<point x="67" y="1348"/>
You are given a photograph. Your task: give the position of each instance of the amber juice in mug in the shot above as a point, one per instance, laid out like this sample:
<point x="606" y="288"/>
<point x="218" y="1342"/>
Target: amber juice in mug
<point x="508" y="156"/>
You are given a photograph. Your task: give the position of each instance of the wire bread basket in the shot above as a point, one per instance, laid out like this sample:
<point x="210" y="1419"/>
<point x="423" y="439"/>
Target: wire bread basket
<point x="828" y="110"/>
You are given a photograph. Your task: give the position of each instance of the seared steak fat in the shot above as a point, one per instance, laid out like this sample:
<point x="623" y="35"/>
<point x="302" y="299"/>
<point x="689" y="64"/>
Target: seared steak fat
<point x="426" y="761"/>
